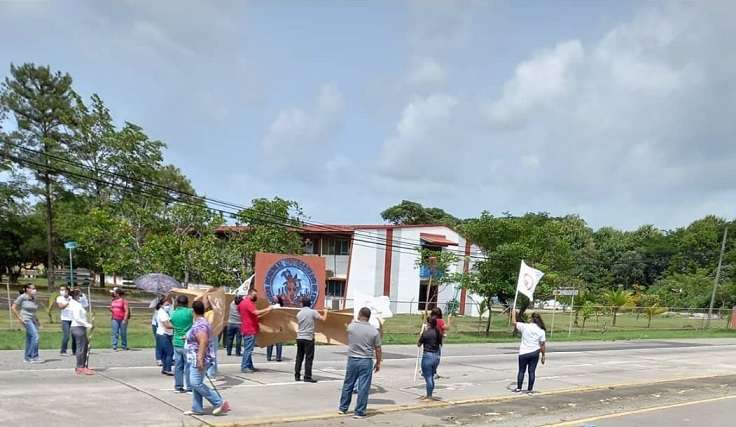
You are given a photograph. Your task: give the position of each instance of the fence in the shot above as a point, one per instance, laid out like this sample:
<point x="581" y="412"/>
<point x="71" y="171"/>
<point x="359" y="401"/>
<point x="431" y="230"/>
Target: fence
<point x="566" y="320"/>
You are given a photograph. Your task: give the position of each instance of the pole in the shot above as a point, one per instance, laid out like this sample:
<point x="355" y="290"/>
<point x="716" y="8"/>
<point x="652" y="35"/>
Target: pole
<point x="718" y="276"/>
<point x="516" y="296"/>
<point x="10" y="303"/>
<point x="71" y="269"/>
<point x="554" y="310"/>
<point x="572" y="309"/>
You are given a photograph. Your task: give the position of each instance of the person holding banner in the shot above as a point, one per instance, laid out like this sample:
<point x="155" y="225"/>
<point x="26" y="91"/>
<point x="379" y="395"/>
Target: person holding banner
<point x="431" y="340"/>
<point x="533" y="344"/>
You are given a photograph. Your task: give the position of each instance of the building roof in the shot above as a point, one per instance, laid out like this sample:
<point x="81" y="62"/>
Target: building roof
<point x="333" y="228"/>
<point x="436" y="239"/>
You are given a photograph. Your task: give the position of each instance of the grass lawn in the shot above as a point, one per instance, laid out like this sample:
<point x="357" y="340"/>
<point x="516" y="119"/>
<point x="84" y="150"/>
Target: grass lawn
<point x="401" y="329"/>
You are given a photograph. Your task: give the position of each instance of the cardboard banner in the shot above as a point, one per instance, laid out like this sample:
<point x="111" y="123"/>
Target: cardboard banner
<point x="291" y="277"/>
<point x="281" y="326"/>
<point x="217" y="305"/>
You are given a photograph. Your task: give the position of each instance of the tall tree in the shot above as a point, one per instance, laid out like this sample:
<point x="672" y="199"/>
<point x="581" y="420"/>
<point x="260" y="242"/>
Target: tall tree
<point x="408" y="212"/>
<point x="42" y="102"/>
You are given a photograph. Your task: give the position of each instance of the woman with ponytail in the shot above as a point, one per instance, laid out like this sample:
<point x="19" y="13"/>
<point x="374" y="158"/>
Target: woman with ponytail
<point x="533" y="344"/>
<point x="431" y="339"/>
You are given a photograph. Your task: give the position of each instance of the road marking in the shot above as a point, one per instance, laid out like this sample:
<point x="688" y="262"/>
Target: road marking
<point x="225" y="387"/>
<point x="442" y="404"/>
<point x="638" y="411"/>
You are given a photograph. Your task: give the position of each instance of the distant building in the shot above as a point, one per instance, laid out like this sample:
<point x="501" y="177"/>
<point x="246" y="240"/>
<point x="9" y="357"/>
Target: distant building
<point x="381" y="260"/>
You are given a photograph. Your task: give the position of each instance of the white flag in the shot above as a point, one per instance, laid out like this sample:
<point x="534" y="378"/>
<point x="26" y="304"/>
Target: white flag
<point x="528" y="279"/>
<point x="380" y="307"/>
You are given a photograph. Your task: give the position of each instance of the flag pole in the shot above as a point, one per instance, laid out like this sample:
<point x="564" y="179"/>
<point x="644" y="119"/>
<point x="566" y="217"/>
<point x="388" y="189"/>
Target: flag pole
<point x="516" y="296"/>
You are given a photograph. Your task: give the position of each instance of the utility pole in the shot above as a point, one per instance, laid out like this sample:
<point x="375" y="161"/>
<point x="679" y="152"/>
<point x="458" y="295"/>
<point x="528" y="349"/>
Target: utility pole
<point x="718" y="276"/>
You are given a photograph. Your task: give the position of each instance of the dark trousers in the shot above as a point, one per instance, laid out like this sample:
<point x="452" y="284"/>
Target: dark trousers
<point x="304" y="350"/>
<point x="66" y="330"/>
<point x="167" y="351"/>
<point x="527" y="362"/>
<point x="233" y="336"/>
<point x="80" y="335"/>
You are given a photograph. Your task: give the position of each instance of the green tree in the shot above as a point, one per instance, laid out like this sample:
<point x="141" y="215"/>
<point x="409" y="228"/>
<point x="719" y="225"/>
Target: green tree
<point x="408" y="212"/>
<point x="42" y="102"/>
<point x="272" y="226"/>
<point x="616" y="300"/>
<point x="586" y="311"/>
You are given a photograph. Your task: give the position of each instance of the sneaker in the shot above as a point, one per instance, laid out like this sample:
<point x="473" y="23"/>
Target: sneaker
<point x="79" y="371"/>
<point x="88" y="371"/>
<point x="297" y="378"/>
<point x="158" y="363"/>
<point x="310" y="380"/>
<point x="193" y="413"/>
<point x="341" y="412"/>
<point x="27" y="360"/>
<point x="278" y="360"/>
<point x="37" y="360"/>
<point x="115" y="349"/>
<point x="224" y="408"/>
<point x="169" y="373"/>
<point x="516" y="390"/>
<point x="247" y="371"/>
<point x="530" y="392"/>
<point x="359" y="417"/>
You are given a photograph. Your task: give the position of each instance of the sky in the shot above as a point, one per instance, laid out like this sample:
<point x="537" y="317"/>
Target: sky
<point x="621" y="112"/>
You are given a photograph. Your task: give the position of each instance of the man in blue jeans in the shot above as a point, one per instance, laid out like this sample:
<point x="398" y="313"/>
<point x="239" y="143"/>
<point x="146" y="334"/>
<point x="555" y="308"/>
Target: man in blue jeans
<point x="249" y="327"/>
<point x="363" y="341"/>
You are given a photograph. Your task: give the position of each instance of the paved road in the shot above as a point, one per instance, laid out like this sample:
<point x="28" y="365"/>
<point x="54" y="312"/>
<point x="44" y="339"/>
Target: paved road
<point x="131" y="391"/>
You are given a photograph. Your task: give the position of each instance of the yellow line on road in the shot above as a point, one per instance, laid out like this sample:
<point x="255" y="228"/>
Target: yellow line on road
<point x="442" y="404"/>
<point x="638" y="411"/>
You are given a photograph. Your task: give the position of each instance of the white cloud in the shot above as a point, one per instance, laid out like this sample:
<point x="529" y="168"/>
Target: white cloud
<point x="427" y="71"/>
<point x="295" y="131"/>
<point x="421" y="135"/>
<point x="540" y="80"/>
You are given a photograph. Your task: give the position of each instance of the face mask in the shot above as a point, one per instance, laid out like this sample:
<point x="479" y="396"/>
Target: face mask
<point x="64" y="293"/>
<point x="33" y="292"/>
<point x="167" y="307"/>
<point x="254" y="298"/>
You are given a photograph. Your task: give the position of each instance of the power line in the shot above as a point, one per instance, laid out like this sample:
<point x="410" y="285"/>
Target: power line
<point x="224" y="204"/>
<point x="169" y="199"/>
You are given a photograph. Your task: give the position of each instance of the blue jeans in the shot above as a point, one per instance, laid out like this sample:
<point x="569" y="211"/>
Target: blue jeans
<point x="31" y="340"/>
<point x="233" y="337"/>
<point x="66" y="330"/>
<point x="181" y="369"/>
<point x="360" y="371"/>
<point x="212" y="369"/>
<point x="269" y="352"/>
<point x="200" y="390"/>
<point x="167" y="351"/>
<point x="430" y="361"/>
<point x="249" y="342"/>
<point x="119" y="329"/>
<point x="159" y="354"/>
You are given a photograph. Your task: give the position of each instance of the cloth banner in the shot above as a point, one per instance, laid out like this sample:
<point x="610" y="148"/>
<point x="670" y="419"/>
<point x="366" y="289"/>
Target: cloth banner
<point x="380" y="307"/>
<point x="528" y="279"/>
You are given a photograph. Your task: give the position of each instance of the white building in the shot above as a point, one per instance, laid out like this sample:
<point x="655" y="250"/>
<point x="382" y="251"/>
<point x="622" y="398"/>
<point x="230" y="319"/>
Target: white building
<point x="382" y="260"/>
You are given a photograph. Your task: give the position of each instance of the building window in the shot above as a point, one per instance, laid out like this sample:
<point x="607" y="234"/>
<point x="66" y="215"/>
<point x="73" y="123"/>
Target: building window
<point x="335" y="288"/>
<point x="336" y="247"/>
<point x="308" y="246"/>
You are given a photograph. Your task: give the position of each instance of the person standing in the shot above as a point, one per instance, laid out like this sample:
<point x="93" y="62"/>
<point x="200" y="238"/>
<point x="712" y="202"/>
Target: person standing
<point x="249" y="328"/>
<point x="199" y="355"/>
<point x="80" y="327"/>
<point x="24" y="308"/>
<point x="62" y="302"/>
<point x="181" y="320"/>
<point x="164" y="334"/>
<point x="364" y="341"/>
<point x="431" y="340"/>
<point x="154" y="328"/>
<point x="279" y="346"/>
<point x="305" y="339"/>
<point x="533" y="344"/>
<point x="120" y="313"/>
<point x="233" y="329"/>
<point x="442" y="327"/>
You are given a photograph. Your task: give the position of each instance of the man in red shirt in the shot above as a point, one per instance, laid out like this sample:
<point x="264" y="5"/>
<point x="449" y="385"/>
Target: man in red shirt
<point x="249" y="328"/>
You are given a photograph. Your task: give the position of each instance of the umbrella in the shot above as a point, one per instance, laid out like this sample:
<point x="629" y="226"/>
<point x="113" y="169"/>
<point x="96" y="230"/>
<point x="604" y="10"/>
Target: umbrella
<point x="156" y="283"/>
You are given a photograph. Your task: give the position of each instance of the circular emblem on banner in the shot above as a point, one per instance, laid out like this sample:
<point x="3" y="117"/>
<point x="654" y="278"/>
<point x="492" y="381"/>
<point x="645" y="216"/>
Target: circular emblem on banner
<point x="528" y="281"/>
<point x="292" y="279"/>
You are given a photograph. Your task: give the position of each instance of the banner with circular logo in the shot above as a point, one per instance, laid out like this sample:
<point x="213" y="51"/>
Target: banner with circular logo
<point x="291" y="278"/>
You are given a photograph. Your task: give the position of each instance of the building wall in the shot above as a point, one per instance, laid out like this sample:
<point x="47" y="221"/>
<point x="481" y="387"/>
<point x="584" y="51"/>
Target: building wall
<point x="368" y="261"/>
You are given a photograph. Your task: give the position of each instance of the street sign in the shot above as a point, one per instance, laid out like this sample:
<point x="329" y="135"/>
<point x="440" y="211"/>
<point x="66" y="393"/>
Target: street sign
<point x="70" y="245"/>
<point x="566" y="292"/>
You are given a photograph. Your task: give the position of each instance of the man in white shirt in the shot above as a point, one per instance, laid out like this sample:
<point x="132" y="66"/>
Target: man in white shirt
<point x="62" y="302"/>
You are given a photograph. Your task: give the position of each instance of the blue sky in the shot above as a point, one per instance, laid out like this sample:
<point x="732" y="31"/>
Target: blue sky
<point x="621" y="112"/>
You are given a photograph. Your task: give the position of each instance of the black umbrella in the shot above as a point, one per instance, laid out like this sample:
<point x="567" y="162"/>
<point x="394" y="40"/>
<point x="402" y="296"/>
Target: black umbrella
<point x="156" y="283"/>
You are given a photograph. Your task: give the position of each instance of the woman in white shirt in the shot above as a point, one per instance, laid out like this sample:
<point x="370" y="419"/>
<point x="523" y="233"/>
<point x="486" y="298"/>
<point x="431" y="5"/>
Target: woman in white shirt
<point x="165" y="334"/>
<point x="79" y="328"/>
<point x="533" y="344"/>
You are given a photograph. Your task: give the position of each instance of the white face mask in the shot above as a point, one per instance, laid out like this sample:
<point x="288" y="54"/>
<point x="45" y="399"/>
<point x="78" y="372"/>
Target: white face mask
<point x="33" y="292"/>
